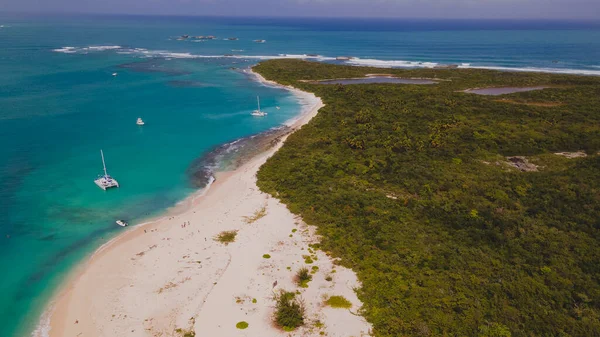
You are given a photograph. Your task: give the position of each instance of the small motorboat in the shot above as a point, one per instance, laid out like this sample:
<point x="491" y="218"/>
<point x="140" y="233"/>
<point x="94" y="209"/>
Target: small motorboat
<point x="140" y="121"/>
<point x="122" y="223"/>
<point x="115" y="74"/>
<point x="277" y="108"/>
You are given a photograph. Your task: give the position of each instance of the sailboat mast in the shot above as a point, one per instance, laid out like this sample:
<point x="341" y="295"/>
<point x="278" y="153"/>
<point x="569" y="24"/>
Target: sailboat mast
<point x="103" y="164"/>
<point x="258" y="100"/>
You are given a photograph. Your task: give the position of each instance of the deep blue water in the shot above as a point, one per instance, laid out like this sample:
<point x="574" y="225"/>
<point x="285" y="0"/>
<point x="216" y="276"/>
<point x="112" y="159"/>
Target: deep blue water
<point x="59" y="105"/>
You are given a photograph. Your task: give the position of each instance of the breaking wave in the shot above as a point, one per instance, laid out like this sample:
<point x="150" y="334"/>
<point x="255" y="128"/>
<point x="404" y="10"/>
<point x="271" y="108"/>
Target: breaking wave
<point x="147" y="53"/>
<point x="390" y="63"/>
<point x="565" y="71"/>
<point x="84" y="50"/>
<point x="414" y="64"/>
<point x="43" y="327"/>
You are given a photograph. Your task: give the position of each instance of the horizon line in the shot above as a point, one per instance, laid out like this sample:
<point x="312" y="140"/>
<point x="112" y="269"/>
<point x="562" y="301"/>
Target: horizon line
<point x="587" y="20"/>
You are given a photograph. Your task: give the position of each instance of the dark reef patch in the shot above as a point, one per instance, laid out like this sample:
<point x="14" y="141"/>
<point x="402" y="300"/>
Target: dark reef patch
<point x="188" y="84"/>
<point x="154" y="65"/>
<point x="232" y="155"/>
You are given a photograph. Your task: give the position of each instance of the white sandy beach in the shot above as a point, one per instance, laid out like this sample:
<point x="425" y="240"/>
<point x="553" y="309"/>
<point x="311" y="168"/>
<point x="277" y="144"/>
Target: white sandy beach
<point x="160" y="277"/>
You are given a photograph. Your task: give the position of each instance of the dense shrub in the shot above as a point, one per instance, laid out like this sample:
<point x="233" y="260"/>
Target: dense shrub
<point x="407" y="185"/>
<point x="303" y="276"/>
<point x="338" y="302"/>
<point x="289" y="311"/>
<point x="226" y="237"/>
<point x="242" y="325"/>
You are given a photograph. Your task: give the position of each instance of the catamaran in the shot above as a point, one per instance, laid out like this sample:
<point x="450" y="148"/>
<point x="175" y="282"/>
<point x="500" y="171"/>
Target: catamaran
<point x="258" y="113"/>
<point x="105" y="182"/>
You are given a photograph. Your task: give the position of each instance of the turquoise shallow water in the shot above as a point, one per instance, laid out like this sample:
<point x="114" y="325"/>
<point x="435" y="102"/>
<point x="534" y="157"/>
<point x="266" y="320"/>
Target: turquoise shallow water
<point x="59" y="106"/>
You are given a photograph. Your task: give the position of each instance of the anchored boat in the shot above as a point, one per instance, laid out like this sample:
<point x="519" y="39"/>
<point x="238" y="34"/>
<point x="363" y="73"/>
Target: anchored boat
<point x="258" y="113"/>
<point x="105" y="182"/>
<point x="122" y="223"/>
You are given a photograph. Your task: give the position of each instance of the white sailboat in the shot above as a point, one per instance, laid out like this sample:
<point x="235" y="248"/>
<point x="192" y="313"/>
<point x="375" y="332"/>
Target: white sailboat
<point x="258" y="113"/>
<point x="105" y="182"/>
<point x="139" y="121"/>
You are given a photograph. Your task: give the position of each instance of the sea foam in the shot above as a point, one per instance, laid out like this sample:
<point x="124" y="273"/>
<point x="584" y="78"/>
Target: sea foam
<point x="390" y="63"/>
<point x="369" y="62"/>
<point x="66" y="50"/>
<point x="565" y="71"/>
<point x="43" y="327"/>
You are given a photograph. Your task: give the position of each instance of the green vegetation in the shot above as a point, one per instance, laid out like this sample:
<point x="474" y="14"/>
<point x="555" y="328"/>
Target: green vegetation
<point x="289" y="311"/>
<point x="254" y="300"/>
<point x="339" y="302"/>
<point x="266" y="256"/>
<point x="241" y="325"/>
<point x="185" y="333"/>
<point x="226" y="237"/>
<point x="303" y="276"/>
<point x="407" y="186"/>
<point x="256" y="216"/>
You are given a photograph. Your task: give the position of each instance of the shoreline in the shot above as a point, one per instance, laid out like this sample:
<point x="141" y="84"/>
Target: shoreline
<point x="114" y="266"/>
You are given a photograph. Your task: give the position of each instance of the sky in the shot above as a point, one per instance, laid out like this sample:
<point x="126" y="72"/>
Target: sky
<point x="451" y="9"/>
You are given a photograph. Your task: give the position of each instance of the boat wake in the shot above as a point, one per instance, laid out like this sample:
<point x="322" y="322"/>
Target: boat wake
<point x="369" y="62"/>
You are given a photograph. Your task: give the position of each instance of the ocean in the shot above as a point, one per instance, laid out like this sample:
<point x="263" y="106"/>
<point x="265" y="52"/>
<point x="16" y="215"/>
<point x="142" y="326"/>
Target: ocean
<point x="60" y="105"/>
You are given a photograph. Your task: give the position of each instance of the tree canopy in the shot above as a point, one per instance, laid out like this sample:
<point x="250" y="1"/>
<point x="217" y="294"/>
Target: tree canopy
<point x="411" y="187"/>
